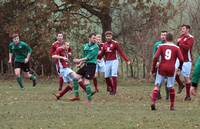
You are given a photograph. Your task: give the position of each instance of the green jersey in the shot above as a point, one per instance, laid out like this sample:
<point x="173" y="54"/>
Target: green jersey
<point x="20" y="50"/>
<point x="196" y="73"/>
<point x="155" y="46"/>
<point x="90" y="52"/>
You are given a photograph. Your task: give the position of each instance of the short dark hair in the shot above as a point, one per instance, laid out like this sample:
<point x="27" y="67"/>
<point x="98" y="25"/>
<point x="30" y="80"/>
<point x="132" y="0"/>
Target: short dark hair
<point x="163" y="31"/>
<point x="14" y="35"/>
<point x="187" y="26"/>
<point x="169" y="37"/>
<point x="108" y="33"/>
<point x="92" y="34"/>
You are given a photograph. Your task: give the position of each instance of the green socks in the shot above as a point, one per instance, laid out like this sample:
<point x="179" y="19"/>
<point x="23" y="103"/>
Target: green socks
<point x="89" y="92"/>
<point x="32" y="77"/>
<point x="75" y="86"/>
<point x="19" y="80"/>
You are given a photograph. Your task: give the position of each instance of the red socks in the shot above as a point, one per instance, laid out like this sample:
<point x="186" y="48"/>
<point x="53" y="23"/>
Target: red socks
<point x="109" y="84"/>
<point x="60" y="83"/>
<point x="82" y="85"/>
<point x="154" y="95"/>
<point x="114" y="79"/>
<point x="172" y="97"/>
<point x="188" y="89"/>
<point x="95" y="84"/>
<point x="65" y="90"/>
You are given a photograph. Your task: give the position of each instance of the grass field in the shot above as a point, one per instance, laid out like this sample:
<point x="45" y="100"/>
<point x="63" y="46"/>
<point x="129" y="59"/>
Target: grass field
<point x="36" y="108"/>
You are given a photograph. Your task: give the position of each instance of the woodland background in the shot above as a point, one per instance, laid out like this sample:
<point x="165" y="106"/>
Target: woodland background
<point x="136" y="25"/>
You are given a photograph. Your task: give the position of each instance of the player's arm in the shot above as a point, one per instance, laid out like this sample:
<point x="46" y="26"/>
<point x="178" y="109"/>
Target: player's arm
<point x="122" y="54"/>
<point x="188" y="44"/>
<point x="155" y="60"/>
<point x="69" y="52"/>
<point x="57" y="55"/>
<point x="10" y="53"/>
<point x="29" y="53"/>
<point x="180" y="57"/>
<point x="91" y="55"/>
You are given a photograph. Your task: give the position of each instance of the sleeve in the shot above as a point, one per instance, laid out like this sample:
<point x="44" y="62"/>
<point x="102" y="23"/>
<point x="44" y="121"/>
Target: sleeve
<point x="154" y="49"/>
<point x="155" y="59"/>
<point x="93" y="53"/>
<point x="187" y="44"/>
<point x="121" y="52"/>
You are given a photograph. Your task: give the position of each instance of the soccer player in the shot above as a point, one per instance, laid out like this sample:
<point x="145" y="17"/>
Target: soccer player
<point x="166" y="69"/>
<point x="87" y="70"/>
<point x="53" y="48"/>
<point x="155" y="48"/>
<point x="195" y="77"/>
<point x="185" y="42"/>
<point x="22" y="53"/>
<point x="100" y="67"/>
<point x="61" y="58"/>
<point x="110" y="50"/>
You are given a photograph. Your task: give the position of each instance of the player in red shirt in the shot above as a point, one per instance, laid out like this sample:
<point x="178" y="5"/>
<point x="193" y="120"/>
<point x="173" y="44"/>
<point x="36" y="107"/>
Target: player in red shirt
<point x="169" y="53"/>
<point x="110" y="50"/>
<point x="53" y="48"/>
<point x="60" y="53"/>
<point x="185" y="42"/>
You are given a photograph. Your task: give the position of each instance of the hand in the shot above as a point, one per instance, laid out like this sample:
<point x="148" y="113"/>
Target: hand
<point x="178" y="71"/>
<point x="76" y="60"/>
<point x="193" y="90"/>
<point x="157" y="64"/>
<point x="98" y="60"/>
<point x="10" y="61"/>
<point x="26" y="60"/>
<point x="128" y="62"/>
<point x="65" y="58"/>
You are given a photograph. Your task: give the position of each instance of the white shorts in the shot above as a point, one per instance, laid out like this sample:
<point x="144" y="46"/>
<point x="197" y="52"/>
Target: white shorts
<point x="100" y="67"/>
<point x="66" y="74"/>
<point x="159" y="80"/>
<point x="111" y="68"/>
<point x="186" y="68"/>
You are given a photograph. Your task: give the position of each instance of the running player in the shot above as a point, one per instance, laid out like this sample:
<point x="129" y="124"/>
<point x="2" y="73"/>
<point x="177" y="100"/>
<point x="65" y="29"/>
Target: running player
<point x="22" y="53"/>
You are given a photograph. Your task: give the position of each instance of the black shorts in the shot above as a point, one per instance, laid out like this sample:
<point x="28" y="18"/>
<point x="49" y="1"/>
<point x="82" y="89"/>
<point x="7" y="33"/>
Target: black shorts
<point x="87" y="71"/>
<point x="23" y="66"/>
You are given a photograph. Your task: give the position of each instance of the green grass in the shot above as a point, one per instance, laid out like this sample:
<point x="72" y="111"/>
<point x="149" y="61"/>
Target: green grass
<point x="36" y="108"/>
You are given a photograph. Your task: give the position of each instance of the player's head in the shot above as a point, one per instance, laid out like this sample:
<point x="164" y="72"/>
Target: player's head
<point x="185" y="29"/>
<point x="169" y="37"/>
<point x="108" y="35"/>
<point x="98" y="38"/>
<point x="66" y="45"/>
<point x="163" y="35"/>
<point x="15" y="38"/>
<point x="92" y="38"/>
<point x="60" y="37"/>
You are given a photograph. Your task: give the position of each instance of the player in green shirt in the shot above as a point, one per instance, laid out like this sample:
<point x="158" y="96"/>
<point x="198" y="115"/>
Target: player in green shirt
<point x="87" y="70"/>
<point x="22" y="53"/>
<point x="155" y="48"/>
<point x="195" y="77"/>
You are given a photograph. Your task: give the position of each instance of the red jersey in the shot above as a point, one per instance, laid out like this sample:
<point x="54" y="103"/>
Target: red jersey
<point x="110" y="50"/>
<point x="61" y="52"/>
<point x="185" y="42"/>
<point x="169" y="54"/>
<point x="54" y="46"/>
